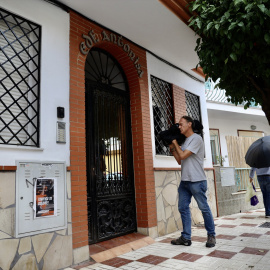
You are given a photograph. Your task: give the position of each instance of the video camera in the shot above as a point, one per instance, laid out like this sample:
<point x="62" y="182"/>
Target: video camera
<point x="173" y="133"/>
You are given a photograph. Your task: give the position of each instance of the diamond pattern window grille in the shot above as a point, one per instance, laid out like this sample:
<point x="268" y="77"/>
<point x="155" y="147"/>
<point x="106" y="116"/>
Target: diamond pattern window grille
<point x="193" y="106"/>
<point x="162" y="104"/>
<point x="19" y="80"/>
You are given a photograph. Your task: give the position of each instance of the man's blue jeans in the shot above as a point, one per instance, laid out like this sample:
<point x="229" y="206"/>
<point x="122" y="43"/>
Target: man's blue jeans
<point x="198" y="189"/>
<point x="264" y="181"/>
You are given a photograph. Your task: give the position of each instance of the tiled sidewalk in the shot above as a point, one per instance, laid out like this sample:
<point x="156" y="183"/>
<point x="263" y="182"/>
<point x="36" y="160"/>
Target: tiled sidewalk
<point x="241" y="244"/>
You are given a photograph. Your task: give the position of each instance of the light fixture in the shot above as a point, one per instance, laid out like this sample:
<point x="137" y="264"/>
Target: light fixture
<point x="253" y="127"/>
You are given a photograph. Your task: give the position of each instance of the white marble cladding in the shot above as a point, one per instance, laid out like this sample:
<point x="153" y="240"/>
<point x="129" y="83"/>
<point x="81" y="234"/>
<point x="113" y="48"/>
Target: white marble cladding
<point x="43" y="251"/>
<point x="168" y="216"/>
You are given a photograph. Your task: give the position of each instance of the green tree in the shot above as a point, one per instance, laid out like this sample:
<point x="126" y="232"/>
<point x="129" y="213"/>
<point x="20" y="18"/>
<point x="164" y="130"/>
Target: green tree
<point x="234" y="46"/>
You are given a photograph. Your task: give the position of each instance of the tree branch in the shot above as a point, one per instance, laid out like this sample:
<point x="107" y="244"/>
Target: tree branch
<point x="259" y="89"/>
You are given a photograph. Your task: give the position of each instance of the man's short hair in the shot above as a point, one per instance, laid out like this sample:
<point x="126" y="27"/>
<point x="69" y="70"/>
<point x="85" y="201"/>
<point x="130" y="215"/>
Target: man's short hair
<point x="189" y="120"/>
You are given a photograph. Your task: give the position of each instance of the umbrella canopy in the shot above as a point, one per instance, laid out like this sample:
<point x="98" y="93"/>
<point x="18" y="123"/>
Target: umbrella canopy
<point x="258" y="154"/>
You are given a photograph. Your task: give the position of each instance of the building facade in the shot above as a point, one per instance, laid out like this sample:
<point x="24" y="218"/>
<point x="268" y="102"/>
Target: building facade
<point x="81" y="161"/>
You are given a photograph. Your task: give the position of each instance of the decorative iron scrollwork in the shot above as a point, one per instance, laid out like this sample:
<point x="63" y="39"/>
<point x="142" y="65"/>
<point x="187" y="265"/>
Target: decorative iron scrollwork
<point x="115" y="217"/>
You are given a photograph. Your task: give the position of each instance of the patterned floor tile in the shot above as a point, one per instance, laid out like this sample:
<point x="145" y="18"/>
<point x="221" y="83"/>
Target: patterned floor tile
<point x="116" y="262"/>
<point x="198" y="239"/>
<point x="227" y="226"/>
<point x="152" y="259"/>
<point x="167" y="240"/>
<point x="248" y="224"/>
<point x="227" y="237"/>
<point x="254" y="235"/>
<point x="187" y="257"/>
<point x="254" y="251"/>
<point x="222" y="254"/>
<point x="241" y="244"/>
<point x="137" y="265"/>
<point x="175" y="264"/>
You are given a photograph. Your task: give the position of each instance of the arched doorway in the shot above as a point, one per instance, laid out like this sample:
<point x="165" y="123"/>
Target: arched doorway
<point x="110" y="180"/>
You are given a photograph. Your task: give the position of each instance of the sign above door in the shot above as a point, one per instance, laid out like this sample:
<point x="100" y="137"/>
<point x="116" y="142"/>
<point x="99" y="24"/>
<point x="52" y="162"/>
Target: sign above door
<point x="93" y="38"/>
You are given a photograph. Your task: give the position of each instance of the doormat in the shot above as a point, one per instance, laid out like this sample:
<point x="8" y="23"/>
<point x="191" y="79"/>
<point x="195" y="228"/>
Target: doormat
<point x="265" y="225"/>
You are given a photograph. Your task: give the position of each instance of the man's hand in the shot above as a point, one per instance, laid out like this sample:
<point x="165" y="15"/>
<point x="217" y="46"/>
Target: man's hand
<point x="250" y="179"/>
<point x="178" y="153"/>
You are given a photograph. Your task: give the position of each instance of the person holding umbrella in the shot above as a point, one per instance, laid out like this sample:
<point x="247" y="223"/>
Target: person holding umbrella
<point x="258" y="158"/>
<point x="263" y="175"/>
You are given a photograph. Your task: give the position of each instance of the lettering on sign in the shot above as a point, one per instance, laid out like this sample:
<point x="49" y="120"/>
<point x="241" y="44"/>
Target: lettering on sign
<point x="93" y="38"/>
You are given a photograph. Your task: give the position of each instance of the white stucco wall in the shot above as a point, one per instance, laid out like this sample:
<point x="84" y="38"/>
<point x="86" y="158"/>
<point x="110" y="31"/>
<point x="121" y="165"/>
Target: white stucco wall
<point x="54" y="80"/>
<point x="169" y="74"/>
<point x="230" y="118"/>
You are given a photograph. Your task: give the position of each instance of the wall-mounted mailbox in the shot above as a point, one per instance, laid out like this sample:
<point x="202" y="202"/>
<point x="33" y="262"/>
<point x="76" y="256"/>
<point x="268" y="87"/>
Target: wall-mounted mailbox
<point x="40" y="197"/>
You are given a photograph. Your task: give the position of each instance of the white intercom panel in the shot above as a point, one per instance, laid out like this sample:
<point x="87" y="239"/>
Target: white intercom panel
<point x="40" y="197"/>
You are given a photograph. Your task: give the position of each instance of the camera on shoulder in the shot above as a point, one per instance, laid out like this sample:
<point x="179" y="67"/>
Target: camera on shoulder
<point x="173" y="133"/>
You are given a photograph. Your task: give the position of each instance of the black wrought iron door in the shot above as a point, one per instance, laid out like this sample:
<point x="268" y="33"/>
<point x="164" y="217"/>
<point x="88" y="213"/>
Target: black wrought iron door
<point x="111" y="196"/>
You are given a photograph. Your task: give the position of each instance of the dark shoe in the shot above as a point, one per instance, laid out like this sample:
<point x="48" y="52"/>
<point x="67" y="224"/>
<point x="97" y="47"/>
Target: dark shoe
<point x="181" y="241"/>
<point x="211" y="241"/>
<point x="267" y="216"/>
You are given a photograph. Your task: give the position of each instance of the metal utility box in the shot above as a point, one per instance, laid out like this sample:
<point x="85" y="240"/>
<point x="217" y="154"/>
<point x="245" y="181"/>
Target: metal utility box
<point x="41" y="197"/>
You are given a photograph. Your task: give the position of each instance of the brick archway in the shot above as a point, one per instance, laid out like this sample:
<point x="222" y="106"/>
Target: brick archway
<point x="140" y="121"/>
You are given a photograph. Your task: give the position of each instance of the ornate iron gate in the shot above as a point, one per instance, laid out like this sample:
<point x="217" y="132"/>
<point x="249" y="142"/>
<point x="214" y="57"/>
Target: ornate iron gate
<point x="111" y="198"/>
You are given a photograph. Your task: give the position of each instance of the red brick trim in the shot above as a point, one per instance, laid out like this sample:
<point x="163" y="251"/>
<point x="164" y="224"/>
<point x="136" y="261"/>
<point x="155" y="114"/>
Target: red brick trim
<point x="178" y="169"/>
<point x="141" y="133"/>
<point x="179" y="102"/>
<point x="167" y="169"/>
<point x="8" y="168"/>
<point x="209" y="169"/>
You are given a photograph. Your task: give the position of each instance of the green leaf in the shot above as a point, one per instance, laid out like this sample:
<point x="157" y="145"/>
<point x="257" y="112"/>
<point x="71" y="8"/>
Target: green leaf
<point x="241" y="24"/>
<point x="236" y="2"/>
<point x="262" y="8"/>
<point x="227" y="15"/>
<point x="233" y="56"/>
<point x="267" y="38"/>
<point x="226" y="61"/>
<point x="237" y="45"/>
<point x="195" y="6"/>
<point x="199" y="24"/>
<point x="248" y="7"/>
<point x="232" y="26"/>
<point x="209" y="25"/>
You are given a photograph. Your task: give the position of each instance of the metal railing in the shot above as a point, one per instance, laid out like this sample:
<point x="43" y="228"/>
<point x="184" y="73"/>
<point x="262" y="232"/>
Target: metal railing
<point x="242" y="179"/>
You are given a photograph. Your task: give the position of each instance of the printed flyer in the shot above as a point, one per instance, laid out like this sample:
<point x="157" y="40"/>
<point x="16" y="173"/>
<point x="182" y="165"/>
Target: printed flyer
<point x="45" y="197"/>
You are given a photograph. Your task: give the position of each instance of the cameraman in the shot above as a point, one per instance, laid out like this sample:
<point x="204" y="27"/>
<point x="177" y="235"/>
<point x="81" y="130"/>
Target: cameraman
<point x="193" y="182"/>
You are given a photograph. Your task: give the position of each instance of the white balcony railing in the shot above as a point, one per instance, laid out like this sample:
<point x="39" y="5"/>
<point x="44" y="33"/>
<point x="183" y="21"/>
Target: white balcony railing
<point x="216" y="94"/>
<point x="242" y="179"/>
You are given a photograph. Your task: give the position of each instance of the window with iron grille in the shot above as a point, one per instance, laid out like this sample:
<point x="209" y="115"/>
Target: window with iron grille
<point x="19" y="80"/>
<point x="162" y="104"/>
<point x="193" y="106"/>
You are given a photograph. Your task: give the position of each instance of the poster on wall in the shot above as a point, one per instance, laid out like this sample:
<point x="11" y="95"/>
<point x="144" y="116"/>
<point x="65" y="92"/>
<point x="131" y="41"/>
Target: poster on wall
<point x="45" y="197"/>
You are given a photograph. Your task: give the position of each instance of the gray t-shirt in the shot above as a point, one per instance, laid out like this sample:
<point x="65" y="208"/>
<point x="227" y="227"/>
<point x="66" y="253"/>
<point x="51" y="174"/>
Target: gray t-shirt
<point x="192" y="167"/>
